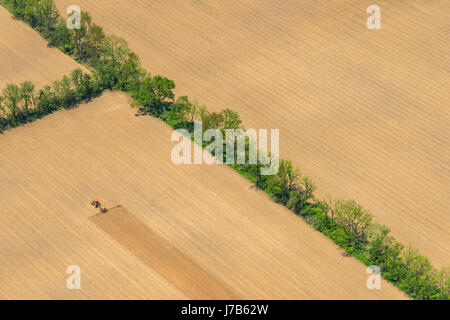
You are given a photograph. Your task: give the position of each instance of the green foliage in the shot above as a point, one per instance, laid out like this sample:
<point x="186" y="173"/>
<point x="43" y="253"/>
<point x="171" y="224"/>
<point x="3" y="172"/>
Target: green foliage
<point x="297" y="202"/>
<point x="178" y="112"/>
<point x="27" y="95"/>
<point x="308" y="187"/>
<point x="211" y="120"/>
<point x="381" y="247"/>
<point x="21" y="104"/>
<point x="350" y="226"/>
<point x="277" y="190"/>
<point x="154" y="93"/>
<point x="120" y="68"/>
<point x="354" y="218"/>
<point x="231" y="119"/>
<point x="284" y="181"/>
<point x="116" y="67"/>
<point x="418" y="276"/>
<point x="12" y="98"/>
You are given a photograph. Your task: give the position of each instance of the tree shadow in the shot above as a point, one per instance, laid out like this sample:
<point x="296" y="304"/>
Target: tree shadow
<point x="142" y="112"/>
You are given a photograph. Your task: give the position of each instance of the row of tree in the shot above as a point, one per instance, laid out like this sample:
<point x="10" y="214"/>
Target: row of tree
<point x="116" y="67"/>
<point x="352" y="227"/>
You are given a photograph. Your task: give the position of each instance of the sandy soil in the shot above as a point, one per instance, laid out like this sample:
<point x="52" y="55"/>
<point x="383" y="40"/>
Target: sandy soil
<point x="25" y="55"/>
<point x="365" y="113"/>
<point x="228" y="233"/>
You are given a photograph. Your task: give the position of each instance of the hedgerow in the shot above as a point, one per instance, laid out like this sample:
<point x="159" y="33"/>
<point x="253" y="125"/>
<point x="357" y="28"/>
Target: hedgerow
<point x="115" y="67"/>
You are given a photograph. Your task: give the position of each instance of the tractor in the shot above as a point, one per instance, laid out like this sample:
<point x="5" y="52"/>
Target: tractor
<point x="96" y="204"/>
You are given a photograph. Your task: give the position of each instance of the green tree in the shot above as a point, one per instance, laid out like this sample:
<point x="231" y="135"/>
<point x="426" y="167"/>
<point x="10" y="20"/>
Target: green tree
<point x="3" y="121"/>
<point x="64" y="93"/>
<point x="192" y="112"/>
<point x="443" y="283"/>
<point x="153" y="93"/>
<point x="211" y="120"/>
<point x="420" y="279"/>
<point x="289" y="174"/>
<point x="382" y="247"/>
<point x="2" y="109"/>
<point x="27" y="95"/>
<point x="114" y="49"/>
<point x="47" y="16"/>
<point x="284" y="181"/>
<point x="82" y="43"/>
<point x="41" y="14"/>
<point x="30" y="12"/>
<point x="46" y="100"/>
<point x="277" y="189"/>
<point x="308" y="186"/>
<point x="177" y="113"/>
<point x="354" y="218"/>
<point x="62" y="38"/>
<point x="17" y="7"/>
<point x="77" y="78"/>
<point x="120" y="68"/>
<point x="88" y="87"/>
<point x="163" y="88"/>
<point x="95" y="36"/>
<point x="297" y="202"/>
<point x="12" y="99"/>
<point x="231" y="119"/>
<point x="328" y="206"/>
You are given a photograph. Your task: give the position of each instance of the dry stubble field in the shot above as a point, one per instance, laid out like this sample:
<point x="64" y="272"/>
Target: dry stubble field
<point x="213" y="241"/>
<point x="365" y="113"/>
<point x="223" y="234"/>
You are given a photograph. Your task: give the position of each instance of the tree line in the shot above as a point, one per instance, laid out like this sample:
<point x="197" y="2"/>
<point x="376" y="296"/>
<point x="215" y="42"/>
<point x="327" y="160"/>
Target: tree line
<point x="115" y="67"/>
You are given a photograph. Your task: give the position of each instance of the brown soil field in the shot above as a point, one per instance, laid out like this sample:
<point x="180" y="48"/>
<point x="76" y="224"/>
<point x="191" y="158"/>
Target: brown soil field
<point x="161" y="255"/>
<point x="365" y="113"/>
<point x="25" y="55"/>
<point x="205" y="217"/>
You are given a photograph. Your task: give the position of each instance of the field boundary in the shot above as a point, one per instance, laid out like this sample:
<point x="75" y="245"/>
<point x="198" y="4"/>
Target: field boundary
<point x="345" y="222"/>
